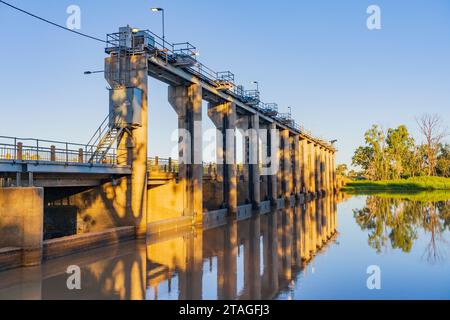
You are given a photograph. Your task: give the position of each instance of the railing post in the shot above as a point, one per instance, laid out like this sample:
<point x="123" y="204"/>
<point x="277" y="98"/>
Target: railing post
<point x="80" y="155"/>
<point x="67" y="153"/>
<point x="170" y="165"/>
<point x="157" y="163"/>
<point x="19" y="154"/>
<point x="52" y="153"/>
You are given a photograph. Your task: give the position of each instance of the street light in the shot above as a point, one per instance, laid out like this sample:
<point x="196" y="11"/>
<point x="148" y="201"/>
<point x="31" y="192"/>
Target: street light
<point x="257" y="85"/>
<point x="92" y="72"/>
<point x="163" y="24"/>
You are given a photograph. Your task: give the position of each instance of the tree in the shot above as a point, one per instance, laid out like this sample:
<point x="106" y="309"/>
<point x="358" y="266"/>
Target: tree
<point x="400" y="148"/>
<point x="443" y="161"/>
<point x="342" y="170"/>
<point x="433" y="133"/>
<point x="372" y="157"/>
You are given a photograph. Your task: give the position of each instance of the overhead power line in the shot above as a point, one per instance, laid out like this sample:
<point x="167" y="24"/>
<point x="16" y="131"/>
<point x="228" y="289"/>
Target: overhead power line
<point x="53" y="23"/>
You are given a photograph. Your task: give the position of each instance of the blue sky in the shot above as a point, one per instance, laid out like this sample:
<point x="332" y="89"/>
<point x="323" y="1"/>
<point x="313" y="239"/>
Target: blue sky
<point x="316" y="56"/>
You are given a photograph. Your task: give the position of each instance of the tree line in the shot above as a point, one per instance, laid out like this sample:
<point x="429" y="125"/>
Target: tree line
<point x="394" y="154"/>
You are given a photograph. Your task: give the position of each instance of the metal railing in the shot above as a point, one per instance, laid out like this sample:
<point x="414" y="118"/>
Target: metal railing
<point x="157" y="164"/>
<point x="170" y="52"/>
<point x="39" y="150"/>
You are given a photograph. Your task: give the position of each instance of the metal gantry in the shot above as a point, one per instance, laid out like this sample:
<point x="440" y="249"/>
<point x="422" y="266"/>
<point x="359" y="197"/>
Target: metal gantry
<point x="184" y="55"/>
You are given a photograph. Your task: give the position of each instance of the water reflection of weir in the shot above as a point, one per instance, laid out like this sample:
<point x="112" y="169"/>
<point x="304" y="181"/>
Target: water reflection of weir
<point x="253" y="259"/>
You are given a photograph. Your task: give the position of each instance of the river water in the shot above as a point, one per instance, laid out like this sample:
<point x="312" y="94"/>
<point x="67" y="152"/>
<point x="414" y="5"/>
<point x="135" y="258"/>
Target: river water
<point x="361" y="247"/>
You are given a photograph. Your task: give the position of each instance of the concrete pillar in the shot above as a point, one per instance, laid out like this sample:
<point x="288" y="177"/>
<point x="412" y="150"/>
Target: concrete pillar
<point x="330" y="171"/>
<point x="323" y="171"/>
<point x="132" y="71"/>
<point x="187" y="103"/>
<point x="313" y="168"/>
<point x="224" y="118"/>
<point x="333" y="171"/>
<point x="297" y="166"/>
<point x="243" y="125"/>
<point x="286" y="177"/>
<point x="305" y="172"/>
<point x="18" y="179"/>
<point x="318" y="169"/>
<point x="254" y="164"/>
<point x="275" y="155"/>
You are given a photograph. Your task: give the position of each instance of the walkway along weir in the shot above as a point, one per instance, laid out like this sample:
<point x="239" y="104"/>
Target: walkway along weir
<point x="109" y="190"/>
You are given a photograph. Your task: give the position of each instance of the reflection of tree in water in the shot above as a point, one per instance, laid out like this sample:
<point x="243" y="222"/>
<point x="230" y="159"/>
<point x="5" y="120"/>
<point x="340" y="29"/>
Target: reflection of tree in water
<point x="398" y="222"/>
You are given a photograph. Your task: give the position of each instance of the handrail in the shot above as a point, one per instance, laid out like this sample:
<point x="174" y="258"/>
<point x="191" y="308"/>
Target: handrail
<point x="41" y="150"/>
<point x="205" y="73"/>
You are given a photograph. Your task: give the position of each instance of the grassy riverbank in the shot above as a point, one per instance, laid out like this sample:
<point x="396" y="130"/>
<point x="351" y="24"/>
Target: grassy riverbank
<point x="406" y="185"/>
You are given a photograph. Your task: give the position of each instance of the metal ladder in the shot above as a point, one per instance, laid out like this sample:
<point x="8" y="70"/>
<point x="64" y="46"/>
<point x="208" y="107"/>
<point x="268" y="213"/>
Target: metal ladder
<point x="103" y="140"/>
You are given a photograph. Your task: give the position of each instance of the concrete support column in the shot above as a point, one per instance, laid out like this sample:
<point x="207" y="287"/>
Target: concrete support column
<point x="333" y="169"/>
<point x="254" y="163"/>
<point x="330" y="171"/>
<point x="286" y="177"/>
<point x="224" y="118"/>
<point x="274" y="154"/>
<point x="297" y="166"/>
<point x="318" y="169"/>
<point x="313" y="167"/>
<point x="323" y="180"/>
<point x="187" y="103"/>
<point x="243" y="125"/>
<point x="305" y="166"/>
<point x="133" y="72"/>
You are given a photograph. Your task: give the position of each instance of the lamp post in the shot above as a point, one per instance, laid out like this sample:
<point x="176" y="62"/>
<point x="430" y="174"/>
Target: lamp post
<point x="163" y="24"/>
<point x="257" y="85"/>
<point x="93" y="72"/>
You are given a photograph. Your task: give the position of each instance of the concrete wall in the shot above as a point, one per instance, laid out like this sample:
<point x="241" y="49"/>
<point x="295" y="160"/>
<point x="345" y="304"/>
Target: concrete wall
<point x="104" y="207"/>
<point x="212" y="194"/>
<point x="21" y="222"/>
<point x="165" y="202"/>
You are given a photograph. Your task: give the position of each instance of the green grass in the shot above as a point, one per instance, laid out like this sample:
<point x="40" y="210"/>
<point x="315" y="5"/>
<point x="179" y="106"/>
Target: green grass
<point x="406" y="185"/>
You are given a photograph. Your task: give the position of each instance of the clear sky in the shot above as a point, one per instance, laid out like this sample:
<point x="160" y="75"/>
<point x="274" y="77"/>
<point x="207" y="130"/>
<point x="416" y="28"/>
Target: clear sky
<point x="317" y="56"/>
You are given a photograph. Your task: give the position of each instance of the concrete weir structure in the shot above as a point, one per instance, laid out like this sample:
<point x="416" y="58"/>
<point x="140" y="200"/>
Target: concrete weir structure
<point x="109" y="190"/>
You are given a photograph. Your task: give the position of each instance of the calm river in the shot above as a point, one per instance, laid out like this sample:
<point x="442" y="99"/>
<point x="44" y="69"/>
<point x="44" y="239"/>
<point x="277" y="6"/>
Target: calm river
<point x="363" y="247"/>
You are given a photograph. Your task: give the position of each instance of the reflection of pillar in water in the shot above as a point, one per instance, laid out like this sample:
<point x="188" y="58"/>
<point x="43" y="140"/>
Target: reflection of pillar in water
<point x="270" y="251"/>
<point x="313" y="227"/>
<point x="252" y="278"/>
<point x="285" y="245"/>
<point x="305" y="232"/>
<point x="297" y="237"/>
<point x="227" y="264"/>
<point x="138" y="275"/>
<point x="191" y="277"/>
<point x="319" y="211"/>
<point x="325" y="210"/>
<point x="335" y="215"/>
